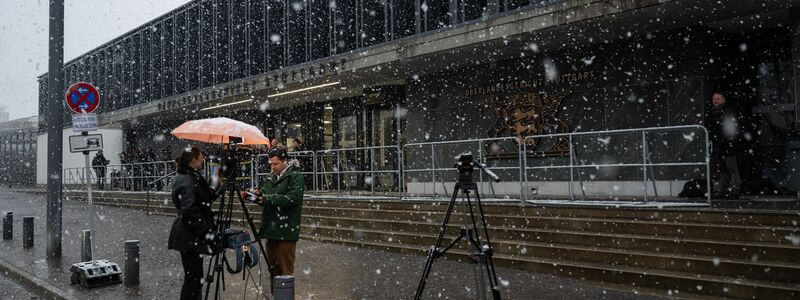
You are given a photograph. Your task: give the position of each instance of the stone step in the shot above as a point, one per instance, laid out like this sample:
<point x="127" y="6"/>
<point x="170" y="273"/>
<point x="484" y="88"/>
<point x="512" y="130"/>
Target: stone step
<point x="684" y="284"/>
<point x="700" y="215"/>
<point x="687" y="246"/>
<point x="777" y="235"/>
<point x="670" y="215"/>
<point x="779" y="272"/>
<point x="679" y="231"/>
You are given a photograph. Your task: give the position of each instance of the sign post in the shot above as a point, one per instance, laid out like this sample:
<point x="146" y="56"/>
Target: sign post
<point x="83" y="99"/>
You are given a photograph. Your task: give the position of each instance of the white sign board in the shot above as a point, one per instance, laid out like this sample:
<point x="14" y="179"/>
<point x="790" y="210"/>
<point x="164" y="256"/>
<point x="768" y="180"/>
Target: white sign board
<point x="81" y="143"/>
<point x="84" y="122"/>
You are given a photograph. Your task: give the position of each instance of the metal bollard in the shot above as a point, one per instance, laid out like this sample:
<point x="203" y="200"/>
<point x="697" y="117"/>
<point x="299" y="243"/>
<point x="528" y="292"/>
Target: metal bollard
<point x="284" y="287"/>
<point x="27" y="232"/>
<point x="8" y="226"/>
<point x="131" y="262"/>
<point x="86" y="245"/>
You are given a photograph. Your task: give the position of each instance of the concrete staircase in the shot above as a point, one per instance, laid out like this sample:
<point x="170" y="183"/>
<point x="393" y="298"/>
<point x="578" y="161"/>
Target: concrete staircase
<point x="676" y="252"/>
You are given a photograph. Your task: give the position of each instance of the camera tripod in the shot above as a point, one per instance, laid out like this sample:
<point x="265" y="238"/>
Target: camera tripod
<point x="225" y="213"/>
<point x="477" y="252"/>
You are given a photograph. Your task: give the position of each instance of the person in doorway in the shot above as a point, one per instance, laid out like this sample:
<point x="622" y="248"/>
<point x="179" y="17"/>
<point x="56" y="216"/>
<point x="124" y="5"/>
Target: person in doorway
<point x="192" y="232"/>
<point x="723" y="130"/>
<point x="281" y="195"/>
<point x="99" y="163"/>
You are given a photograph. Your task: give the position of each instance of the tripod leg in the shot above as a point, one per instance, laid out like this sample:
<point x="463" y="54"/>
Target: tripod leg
<point x="434" y="251"/>
<point x="486" y="252"/>
<point x="270" y="266"/>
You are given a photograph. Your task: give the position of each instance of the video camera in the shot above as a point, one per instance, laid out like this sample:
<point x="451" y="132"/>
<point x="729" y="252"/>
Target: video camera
<point x="466" y="166"/>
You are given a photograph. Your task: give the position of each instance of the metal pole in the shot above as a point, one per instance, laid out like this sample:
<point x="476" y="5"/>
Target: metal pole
<point x="521" y="166"/>
<point x="644" y="164"/>
<point x="27" y="232"/>
<point x="131" y="262"/>
<point x="8" y="226"/>
<point x="338" y="175"/>
<point x="284" y="287"/>
<point x="86" y="245"/>
<point x="571" y="169"/>
<point x="708" y="167"/>
<point x="55" y="91"/>
<point x="372" y="170"/>
<point x="88" y="178"/>
<point x="433" y="170"/>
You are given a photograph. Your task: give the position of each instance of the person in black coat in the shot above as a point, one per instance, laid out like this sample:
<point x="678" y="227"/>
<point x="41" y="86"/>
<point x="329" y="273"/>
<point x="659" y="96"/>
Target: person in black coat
<point x="193" y="230"/>
<point x="724" y="133"/>
<point x="99" y="163"/>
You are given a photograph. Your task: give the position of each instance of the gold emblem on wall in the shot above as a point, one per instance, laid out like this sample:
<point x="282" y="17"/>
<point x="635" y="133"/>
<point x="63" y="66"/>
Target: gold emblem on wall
<point x="527" y="114"/>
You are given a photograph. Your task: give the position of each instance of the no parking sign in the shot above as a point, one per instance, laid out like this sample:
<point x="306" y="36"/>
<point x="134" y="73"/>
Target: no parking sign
<point x="82" y="98"/>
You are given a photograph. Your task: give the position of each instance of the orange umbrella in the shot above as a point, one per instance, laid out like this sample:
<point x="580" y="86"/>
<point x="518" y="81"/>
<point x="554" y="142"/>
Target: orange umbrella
<point x="220" y="131"/>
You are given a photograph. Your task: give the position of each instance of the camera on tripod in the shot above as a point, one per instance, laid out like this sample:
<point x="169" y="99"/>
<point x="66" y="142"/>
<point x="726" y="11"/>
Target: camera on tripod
<point x="466" y="166"/>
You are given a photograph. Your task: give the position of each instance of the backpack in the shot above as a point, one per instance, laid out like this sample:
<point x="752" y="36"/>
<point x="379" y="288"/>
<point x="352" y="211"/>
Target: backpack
<point x="693" y="188"/>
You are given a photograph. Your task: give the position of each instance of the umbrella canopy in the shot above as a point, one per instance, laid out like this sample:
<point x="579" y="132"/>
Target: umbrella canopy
<point x="220" y="131"/>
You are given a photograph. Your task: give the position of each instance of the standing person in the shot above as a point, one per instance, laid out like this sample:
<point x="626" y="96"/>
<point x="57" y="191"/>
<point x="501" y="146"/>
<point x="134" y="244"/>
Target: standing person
<point x="281" y="194"/>
<point x="194" y="223"/>
<point x="306" y="163"/>
<point x="723" y="130"/>
<point x="99" y="162"/>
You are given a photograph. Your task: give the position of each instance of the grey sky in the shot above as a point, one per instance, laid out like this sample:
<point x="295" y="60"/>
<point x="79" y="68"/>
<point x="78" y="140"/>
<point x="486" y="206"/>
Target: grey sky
<point x="87" y="24"/>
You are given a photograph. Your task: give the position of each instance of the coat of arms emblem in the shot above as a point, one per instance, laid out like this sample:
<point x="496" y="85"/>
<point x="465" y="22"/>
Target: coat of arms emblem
<point x="528" y="114"/>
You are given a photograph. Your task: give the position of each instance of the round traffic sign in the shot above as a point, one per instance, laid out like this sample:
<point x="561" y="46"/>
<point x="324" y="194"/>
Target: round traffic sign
<point x="82" y="98"/>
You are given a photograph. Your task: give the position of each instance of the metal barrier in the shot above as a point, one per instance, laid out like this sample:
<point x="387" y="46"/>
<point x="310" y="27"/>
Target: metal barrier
<point x="260" y="167"/>
<point x="427" y="169"/>
<point x="636" y="140"/>
<point x="438" y="162"/>
<point x="122" y="177"/>
<point x="360" y="169"/>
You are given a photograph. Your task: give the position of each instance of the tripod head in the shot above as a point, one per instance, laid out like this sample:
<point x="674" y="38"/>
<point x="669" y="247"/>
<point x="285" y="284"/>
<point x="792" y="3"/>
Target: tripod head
<point x="466" y="166"/>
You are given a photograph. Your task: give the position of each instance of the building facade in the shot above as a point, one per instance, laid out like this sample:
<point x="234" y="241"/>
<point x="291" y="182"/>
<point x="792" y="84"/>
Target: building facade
<point x="352" y="74"/>
<point x="18" y="149"/>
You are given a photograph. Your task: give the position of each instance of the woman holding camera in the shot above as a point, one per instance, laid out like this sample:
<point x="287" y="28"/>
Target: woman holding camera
<point x="192" y="231"/>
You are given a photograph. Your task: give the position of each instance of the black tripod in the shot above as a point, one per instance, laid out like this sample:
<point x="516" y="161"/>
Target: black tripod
<point x="483" y="252"/>
<point x="224" y="215"/>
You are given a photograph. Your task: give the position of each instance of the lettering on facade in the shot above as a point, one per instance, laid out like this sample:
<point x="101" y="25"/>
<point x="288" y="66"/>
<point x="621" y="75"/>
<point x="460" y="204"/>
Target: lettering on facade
<point x="526" y="114"/>
<point x="528" y="84"/>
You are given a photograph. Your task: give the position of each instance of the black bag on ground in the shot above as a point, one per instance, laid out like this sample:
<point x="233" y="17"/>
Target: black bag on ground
<point x="693" y="188"/>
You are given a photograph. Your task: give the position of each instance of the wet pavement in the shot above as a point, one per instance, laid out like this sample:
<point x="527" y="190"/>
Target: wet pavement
<point x="10" y="289"/>
<point x="323" y="271"/>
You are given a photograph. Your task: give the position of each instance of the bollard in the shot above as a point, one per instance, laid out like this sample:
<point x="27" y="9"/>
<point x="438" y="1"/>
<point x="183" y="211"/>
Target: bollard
<point x="284" y="287"/>
<point x="27" y="232"/>
<point x="86" y="245"/>
<point x="8" y="226"/>
<point x="131" y="262"/>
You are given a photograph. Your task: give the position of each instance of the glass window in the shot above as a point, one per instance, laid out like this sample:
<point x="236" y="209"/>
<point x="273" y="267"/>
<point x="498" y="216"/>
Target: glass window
<point x="223" y="41"/>
<point x="296" y="32"/>
<point x="238" y="39"/>
<point x="180" y="52"/>
<point x="372" y="15"/>
<point x="136" y="64"/>
<point x="402" y="18"/>
<point x="256" y="37"/>
<point x="207" y="68"/>
<point x="147" y="65"/>
<point x="319" y="23"/>
<point x="347" y="132"/>
<point x="167" y="57"/>
<point x="275" y="35"/>
<point x="435" y="14"/>
<point x="344" y="25"/>
<point x="192" y="49"/>
<point x="155" y="56"/>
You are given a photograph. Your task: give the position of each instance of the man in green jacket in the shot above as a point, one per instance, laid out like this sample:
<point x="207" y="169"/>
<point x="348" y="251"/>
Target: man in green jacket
<point x="282" y="197"/>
